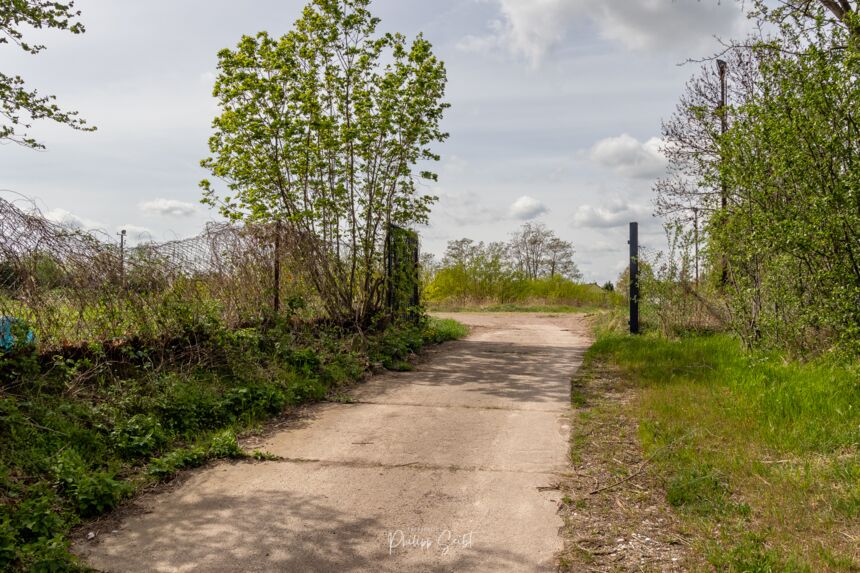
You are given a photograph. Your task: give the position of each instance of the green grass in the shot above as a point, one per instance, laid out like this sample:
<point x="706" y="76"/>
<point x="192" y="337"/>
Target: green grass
<point x="514" y="294"/>
<point x="78" y="437"/>
<point x="440" y="330"/>
<point x="762" y="449"/>
<point x="514" y="307"/>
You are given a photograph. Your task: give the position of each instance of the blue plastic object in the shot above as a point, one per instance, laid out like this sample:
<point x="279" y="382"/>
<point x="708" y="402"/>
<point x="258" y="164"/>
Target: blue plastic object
<point x="10" y="332"/>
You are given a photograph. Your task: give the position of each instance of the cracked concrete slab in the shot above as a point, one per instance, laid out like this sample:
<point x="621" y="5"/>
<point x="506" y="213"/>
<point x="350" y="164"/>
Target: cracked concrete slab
<point x="447" y="468"/>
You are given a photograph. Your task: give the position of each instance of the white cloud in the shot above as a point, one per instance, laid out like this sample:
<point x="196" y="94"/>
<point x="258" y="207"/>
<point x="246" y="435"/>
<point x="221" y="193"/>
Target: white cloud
<point x="71" y="221"/>
<point x="465" y="208"/>
<point x="532" y="28"/>
<point x="136" y="234"/>
<point x="627" y="156"/>
<point x="168" y="207"/>
<point x="526" y="208"/>
<point x="601" y="247"/>
<point x="616" y="214"/>
<point x="528" y="28"/>
<point x="650" y="24"/>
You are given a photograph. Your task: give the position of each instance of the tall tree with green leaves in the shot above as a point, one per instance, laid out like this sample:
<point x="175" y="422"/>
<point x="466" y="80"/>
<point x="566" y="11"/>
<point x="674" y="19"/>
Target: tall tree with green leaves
<point x="324" y="131"/>
<point x="20" y="106"/>
<point x="790" y="234"/>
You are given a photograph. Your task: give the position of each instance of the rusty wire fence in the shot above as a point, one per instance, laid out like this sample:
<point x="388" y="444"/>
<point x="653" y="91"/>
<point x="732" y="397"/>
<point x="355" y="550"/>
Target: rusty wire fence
<point x="74" y="288"/>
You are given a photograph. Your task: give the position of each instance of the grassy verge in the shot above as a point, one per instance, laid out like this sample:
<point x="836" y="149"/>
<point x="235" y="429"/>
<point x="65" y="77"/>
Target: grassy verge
<point x="79" y="436"/>
<point x="515" y="307"/>
<point x="757" y="455"/>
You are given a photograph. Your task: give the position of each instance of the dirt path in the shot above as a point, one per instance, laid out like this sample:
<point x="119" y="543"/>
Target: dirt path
<point x="442" y="469"/>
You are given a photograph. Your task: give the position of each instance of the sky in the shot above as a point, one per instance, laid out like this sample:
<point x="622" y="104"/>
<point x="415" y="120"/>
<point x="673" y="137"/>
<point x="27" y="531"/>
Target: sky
<point x="556" y="109"/>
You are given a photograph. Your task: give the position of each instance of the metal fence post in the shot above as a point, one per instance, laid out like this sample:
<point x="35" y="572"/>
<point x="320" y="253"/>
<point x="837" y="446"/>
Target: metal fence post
<point x="722" y="66"/>
<point x="634" y="278"/>
<point x="122" y="235"/>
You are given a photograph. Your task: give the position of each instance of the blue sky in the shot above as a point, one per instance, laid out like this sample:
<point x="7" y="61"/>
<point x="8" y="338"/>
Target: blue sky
<point x="556" y="112"/>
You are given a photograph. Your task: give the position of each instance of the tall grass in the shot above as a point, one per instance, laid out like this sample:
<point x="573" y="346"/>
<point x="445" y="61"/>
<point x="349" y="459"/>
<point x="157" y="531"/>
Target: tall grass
<point x="760" y="454"/>
<point x="450" y="290"/>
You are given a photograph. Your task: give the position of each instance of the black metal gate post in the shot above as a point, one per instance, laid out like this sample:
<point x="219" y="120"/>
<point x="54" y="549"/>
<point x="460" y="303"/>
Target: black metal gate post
<point x="389" y="270"/>
<point x="634" y="278"/>
<point x="401" y="269"/>
<point x="276" y="297"/>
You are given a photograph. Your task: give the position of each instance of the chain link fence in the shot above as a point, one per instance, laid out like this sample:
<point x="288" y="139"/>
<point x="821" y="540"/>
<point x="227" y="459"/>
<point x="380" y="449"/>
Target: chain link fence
<point x="73" y="287"/>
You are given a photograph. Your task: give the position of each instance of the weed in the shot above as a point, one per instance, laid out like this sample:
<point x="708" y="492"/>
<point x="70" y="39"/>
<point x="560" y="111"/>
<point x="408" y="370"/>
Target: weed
<point x="698" y="488"/>
<point x="440" y="330"/>
<point x="79" y="436"/>
<point x="748" y="438"/>
<point x="138" y="436"/>
<point x="751" y="555"/>
<point x="578" y="395"/>
<point x="263" y="456"/>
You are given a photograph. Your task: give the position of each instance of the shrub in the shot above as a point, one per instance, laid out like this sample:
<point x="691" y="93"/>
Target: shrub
<point x="138" y="436"/>
<point x="91" y="492"/>
<point x="225" y="445"/>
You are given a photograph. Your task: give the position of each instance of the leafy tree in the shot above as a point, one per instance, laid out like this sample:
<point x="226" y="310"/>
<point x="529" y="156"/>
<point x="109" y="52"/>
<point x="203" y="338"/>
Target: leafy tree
<point x="790" y="234"/>
<point x="534" y="264"/>
<point x="474" y="272"/>
<point x="796" y="15"/>
<point x="19" y="106"/>
<point x="559" y="259"/>
<point x="528" y="248"/>
<point x="322" y="131"/>
<point x="537" y="252"/>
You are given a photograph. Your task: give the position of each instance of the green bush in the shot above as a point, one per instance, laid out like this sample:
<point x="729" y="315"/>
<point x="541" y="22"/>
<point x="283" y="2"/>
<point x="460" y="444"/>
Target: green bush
<point x="438" y="330"/>
<point x="221" y="445"/>
<point x="225" y="445"/>
<point x="138" y="436"/>
<point x="306" y="390"/>
<point x="8" y="541"/>
<point x="166" y="466"/>
<point x="86" y="431"/>
<point x="449" y="289"/>
<point x="92" y="492"/>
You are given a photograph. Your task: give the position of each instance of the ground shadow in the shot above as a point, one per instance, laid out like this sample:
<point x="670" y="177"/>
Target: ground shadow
<point x="279" y="531"/>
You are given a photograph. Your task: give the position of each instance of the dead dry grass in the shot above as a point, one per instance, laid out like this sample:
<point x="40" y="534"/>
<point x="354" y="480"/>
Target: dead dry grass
<point x="614" y="508"/>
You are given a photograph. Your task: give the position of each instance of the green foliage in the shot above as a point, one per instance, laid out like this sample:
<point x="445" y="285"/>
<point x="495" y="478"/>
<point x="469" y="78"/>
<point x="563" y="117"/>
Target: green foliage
<point x="18" y="363"/>
<point x="750" y="554"/>
<point x="322" y="131"/>
<point x="747" y="442"/>
<point x="68" y="455"/>
<point x="787" y="238"/>
<point x="792" y="239"/>
<point x="439" y="330"/>
<point x="478" y="274"/>
<point x="184" y="458"/>
<point x="15" y="99"/>
<point x="138" y="436"/>
<point x="403" y="270"/>
<point x="453" y="289"/>
<point x="91" y="492"/>
<point x="698" y="488"/>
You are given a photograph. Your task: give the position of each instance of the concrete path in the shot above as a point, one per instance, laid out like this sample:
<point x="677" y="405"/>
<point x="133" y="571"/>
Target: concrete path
<point x="441" y="469"/>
